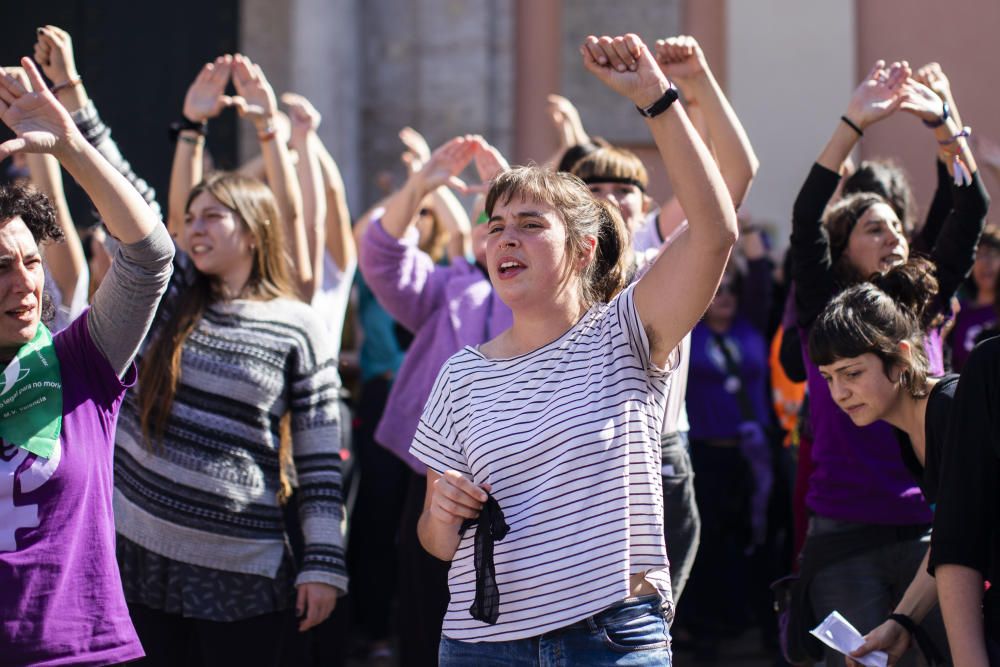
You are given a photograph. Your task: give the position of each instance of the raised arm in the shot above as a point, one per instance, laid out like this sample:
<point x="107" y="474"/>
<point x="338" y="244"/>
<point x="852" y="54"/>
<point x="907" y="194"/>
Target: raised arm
<point x="932" y="76"/>
<point x="340" y="241"/>
<point x="683" y="62"/>
<point x="954" y="250"/>
<point x="65" y="260"/>
<point x="205" y="99"/>
<point x="256" y="101"/>
<point x="568" y="127"/>
<point x="304" y="141"/>
<point x="877" y="97"/>
<point x="448" y="209"/>
<point x="42" y="125"/>
<point x="755" y="300"/>
<point x="674" y="293"/>
<point x="406" y="281"/>
<point x="442" y="168"/>
<point x="54" y="52"/>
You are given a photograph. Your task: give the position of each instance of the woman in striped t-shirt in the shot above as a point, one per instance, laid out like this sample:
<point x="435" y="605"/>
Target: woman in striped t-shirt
<point x="558" y="418"/>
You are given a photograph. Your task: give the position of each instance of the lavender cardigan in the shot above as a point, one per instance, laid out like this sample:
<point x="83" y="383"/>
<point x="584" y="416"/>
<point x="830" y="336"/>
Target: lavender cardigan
<point x="445" y="307"/>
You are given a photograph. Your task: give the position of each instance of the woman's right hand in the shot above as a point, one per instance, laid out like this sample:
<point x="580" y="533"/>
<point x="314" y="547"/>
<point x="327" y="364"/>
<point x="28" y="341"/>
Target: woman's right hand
<point x="206" y="97"/>
<point x="415" y="143"/>
<point x="54" y="52"/>
<point x="890" y="637"/>
<point x="879" y="94"/>
<point x="625" y="65"/>
<point x="489" y="163"/>
<point x="417" y="151"/>
<point x="41" y="124"/>
<point x="922" y="102"/>
<point x="455" y="498"/>
<point x="303" y="117"/>
<point x="256" y="99"/>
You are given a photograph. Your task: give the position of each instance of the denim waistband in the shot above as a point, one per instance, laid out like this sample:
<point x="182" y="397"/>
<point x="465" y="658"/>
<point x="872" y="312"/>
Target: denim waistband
<point x="627" y="609"/>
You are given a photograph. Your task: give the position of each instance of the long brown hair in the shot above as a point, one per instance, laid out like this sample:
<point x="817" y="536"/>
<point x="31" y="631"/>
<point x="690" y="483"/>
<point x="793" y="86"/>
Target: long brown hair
<point x="840" y="220"/>
<point x="253" y="204"/>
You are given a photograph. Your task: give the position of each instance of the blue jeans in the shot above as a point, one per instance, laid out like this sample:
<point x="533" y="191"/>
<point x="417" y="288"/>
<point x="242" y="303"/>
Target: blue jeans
<point x="633" y="632"/>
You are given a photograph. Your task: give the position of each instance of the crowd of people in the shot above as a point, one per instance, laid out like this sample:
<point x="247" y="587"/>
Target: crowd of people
<point x="566" y="404"/>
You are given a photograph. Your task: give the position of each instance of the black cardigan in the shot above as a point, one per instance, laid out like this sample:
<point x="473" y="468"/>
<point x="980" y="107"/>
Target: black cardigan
<point x="953" y="244"/>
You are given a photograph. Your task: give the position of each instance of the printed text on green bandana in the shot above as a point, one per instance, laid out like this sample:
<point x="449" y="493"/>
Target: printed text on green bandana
<point x="31" y="396"/>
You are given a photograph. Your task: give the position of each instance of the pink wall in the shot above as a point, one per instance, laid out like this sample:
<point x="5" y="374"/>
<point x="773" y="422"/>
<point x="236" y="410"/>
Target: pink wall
<point x="537" y="69"/>
<point x="959" y="34"/>
<point x="706" y="20"/>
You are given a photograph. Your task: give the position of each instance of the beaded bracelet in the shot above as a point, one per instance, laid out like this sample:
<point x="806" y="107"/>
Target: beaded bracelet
<point x="964" y="132"/>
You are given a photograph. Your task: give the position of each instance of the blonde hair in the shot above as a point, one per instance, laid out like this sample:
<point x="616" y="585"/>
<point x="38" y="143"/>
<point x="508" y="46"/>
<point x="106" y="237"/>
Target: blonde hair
<point x="611" y="164"/>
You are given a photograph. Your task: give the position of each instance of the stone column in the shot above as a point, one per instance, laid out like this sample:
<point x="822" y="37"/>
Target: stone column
<point x="312" y="47"/>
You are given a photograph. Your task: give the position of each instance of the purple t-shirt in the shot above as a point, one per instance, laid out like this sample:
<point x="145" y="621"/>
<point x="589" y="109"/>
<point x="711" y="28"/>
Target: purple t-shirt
<point x="61" y="600"/>
<point x="970" y="322"/>
<point x="858" y="474"/>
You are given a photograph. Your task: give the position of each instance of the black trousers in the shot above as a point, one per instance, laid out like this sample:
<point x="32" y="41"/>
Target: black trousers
<point x="372" y="560"/>
<point x="716" y="599"/>
<point x="171" y="640"/>
<point x="423" y="586"/>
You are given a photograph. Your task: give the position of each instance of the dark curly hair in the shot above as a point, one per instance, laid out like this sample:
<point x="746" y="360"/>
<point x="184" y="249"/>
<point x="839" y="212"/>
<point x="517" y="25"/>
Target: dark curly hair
<point x="33" y="208"/>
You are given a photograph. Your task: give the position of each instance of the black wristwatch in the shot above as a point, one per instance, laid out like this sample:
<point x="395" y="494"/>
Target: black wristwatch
<point x="184" y="123"/>
<point x="660" y="105"/>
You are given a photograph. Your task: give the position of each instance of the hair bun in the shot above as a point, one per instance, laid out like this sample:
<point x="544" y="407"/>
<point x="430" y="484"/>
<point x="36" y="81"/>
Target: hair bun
<point x="912" y="286"/>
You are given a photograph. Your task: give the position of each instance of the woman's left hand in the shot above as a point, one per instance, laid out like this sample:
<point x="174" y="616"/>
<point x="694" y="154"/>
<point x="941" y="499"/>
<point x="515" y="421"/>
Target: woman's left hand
<point x="315" y="602"/>
<point x="921" y="101"/>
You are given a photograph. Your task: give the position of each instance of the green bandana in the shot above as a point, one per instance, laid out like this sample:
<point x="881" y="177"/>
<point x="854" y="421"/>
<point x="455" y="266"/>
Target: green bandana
<point x="31" y="398"/>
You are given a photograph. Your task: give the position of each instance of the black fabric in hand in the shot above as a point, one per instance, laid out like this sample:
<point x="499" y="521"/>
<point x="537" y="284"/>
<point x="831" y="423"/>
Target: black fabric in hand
<point x="490" y="527"/>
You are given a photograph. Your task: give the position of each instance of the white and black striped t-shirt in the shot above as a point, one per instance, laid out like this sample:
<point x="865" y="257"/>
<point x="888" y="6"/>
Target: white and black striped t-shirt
<point x="568" y="436"/>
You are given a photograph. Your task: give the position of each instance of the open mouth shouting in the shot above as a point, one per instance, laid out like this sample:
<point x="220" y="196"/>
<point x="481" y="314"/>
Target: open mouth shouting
<point x="892" y="260"/>
<point x="509" y="267"/>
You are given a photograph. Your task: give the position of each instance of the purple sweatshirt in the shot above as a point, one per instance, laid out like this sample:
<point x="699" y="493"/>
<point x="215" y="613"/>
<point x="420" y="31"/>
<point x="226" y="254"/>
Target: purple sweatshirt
<point x="446" y="308"/>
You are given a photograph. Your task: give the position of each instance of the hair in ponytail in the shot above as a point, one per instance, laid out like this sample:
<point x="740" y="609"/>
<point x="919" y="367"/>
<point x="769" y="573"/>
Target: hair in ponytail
<point x="609" y="272"/>
<point x="875" y="317"/>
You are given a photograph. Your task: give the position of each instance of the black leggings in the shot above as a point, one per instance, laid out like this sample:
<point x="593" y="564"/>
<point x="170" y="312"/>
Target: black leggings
<point x="170" y="640"/>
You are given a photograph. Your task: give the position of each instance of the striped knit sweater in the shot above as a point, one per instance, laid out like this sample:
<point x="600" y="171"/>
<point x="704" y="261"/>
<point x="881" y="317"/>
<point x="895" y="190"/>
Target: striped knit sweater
<point x="208" y="494"/>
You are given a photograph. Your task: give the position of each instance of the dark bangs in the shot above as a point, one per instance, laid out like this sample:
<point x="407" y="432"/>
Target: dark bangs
<point x="844" y="329"/>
